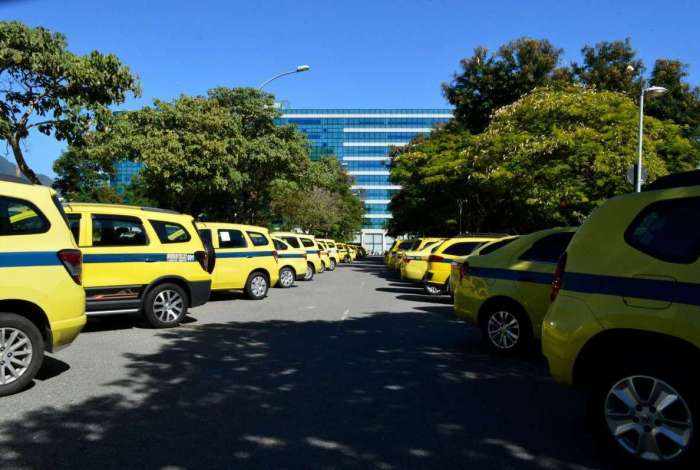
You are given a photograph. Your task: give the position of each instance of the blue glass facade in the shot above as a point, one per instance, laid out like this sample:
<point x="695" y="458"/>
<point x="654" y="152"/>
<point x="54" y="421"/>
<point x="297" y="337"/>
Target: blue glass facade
<point x="362" y="139"/>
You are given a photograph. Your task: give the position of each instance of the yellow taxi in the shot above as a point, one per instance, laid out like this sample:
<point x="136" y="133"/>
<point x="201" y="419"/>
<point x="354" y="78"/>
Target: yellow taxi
<point x="307" y="243"/>
<point x="352" y="252"/>
<point x="437" y="275"/>
<point x="291" y="262"/>
<point x="343" y="253"/>
<point x="140" y="260"/>
<point x="42" y="302"/>
<point x="388" y="253"/>
<point x="506" y="291"/>
<point x="324" y="255"/>
<point x="485" y="249"/>
<point x="625" y="323"/>
<point x="246" y="258"/>
<point x="333" y="254"/>
<point x="414" y="262"/>
<point x="398" y="251"/>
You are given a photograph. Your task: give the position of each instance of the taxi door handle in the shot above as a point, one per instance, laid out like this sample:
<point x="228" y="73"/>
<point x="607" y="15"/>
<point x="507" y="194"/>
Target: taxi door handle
<point x="150" y="260"/>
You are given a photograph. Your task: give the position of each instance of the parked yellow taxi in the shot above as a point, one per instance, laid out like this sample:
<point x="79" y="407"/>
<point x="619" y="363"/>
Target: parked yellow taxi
<point x="291" y="261"/>
<point x="437" y="275"/>
<point x="42" y="302"/>
<point x="324" y="254"/>
<point x="307" y="243"/>
<point x="456" y="265"/>
<point x="246" y="258"/>
<point x="414" y="262"/>
<point x="140" y="260"/>
<point x="625" y="323"/>
<point x="333" y="254"/>
<point x="506" y="292"/>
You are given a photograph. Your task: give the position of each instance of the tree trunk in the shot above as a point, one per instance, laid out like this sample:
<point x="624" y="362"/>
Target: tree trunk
<point x="21" y="163"/>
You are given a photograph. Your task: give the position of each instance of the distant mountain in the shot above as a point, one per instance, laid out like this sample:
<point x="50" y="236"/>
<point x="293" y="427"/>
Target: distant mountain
<point x="7" y="168"/>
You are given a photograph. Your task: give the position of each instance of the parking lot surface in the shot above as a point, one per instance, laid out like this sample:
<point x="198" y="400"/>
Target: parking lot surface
<point x="355" y="369"/>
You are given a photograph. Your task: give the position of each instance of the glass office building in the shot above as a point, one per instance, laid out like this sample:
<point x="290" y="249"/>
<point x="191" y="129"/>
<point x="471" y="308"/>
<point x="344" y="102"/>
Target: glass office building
<point x="362" y="139"/>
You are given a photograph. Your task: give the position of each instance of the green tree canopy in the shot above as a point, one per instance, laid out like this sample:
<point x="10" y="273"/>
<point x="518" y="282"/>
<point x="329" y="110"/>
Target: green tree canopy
<point x="48" y="88"/>
<point x="548" y="159"/>
<point x="488" y="81"/>
<point x="611" y="66"/>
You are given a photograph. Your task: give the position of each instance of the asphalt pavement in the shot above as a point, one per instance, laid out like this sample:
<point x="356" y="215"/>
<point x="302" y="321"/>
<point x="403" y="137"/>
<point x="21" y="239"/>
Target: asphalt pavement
<point x="355" y="369"/>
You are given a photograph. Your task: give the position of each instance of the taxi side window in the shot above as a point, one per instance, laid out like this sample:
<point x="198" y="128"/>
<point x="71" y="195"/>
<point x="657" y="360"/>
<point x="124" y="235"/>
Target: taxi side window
<point x="548" y="249"/>
<point x="108" y="230"/>
<point x="292" y="241"/>
<point x="231" y="239"/>
<point x="279" y="246"/>
<point x="495" y="246"/>
<point x="307" y="242"/>
<point x="74" y="225"/>
<point x="662" y="230"/>
<point x="169" y="232"/>
<point x="461" y="249"/>
<point x="258" y="239"/>
<point x="19" y="217"/>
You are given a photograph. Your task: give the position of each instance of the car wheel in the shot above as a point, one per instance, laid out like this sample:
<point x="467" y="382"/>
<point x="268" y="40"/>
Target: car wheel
<point x="310" y="270"/>
<point x="322" y="268"/>
<point x="432" y="290"/>
<point x="505" y="330"/>
<point x="644" y="414"/>
<point x="332" y="265"/>
<point x="21" y="352"/>
<point x="287" y="277"/>
<point x="256" y="286"/>
<point x="165" y="306"/>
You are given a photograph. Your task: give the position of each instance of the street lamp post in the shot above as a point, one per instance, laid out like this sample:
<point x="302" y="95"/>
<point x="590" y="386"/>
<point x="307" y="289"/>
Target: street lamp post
<point x="651" y="91"/>
<point x="299" y="69"/>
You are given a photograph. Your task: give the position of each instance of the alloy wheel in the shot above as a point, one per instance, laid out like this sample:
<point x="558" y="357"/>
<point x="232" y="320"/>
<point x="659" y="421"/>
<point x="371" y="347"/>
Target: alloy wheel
<point x="15" y="354"/>
<point x="286" y="278"/>
<point x="258" y="286"/>
<point x="168" y="306"/>
<point x="648" y="418"/>
<point x="503" y="329"/>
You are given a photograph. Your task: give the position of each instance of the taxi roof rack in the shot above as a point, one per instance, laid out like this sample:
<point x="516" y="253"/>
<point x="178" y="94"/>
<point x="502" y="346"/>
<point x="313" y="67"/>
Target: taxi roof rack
<point x="481" y="234"/>
<point x="675" y="180"/>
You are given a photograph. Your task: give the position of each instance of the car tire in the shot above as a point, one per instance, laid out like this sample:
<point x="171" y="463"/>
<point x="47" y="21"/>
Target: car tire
<point x="431" y="289"/>
<point x="322" y="268"/>
<point x="23" y="354"/>
<point x="256" y="286"/>
<point x="638" y="416"/>
<point x="506" y="329"/>
<point x="287" y="277"/>
<point x="310" y="271"/>
<point x="332" y="265"/>
<point x="165" y="305"/>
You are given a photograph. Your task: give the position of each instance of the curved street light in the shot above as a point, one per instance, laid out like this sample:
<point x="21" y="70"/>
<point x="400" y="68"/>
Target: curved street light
<point x="651" y="91"/>
<point x="299" y="69"/>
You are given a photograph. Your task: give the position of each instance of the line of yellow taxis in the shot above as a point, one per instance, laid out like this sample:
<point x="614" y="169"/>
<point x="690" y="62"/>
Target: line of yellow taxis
<point x="614" y="304"/>
<point x="60" y="263"/>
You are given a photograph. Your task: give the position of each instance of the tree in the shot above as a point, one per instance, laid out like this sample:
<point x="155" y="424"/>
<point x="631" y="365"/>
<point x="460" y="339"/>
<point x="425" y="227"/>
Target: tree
<point x="611" y="66"/>
<point x="49" y="89"/>
<point x="548" y="159"/>
<point x="320" y="203"/>
<point x="489" y="81"/>
<point x="82" y="179"/>
<point x="203" y="157"/>
<point x="681" y="103"/>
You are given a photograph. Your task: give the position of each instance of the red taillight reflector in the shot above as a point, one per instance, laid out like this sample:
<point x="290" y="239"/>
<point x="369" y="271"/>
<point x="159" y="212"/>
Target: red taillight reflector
<point x="463" y="270"/>
<point x="276" y="255"/>
<point x="558" y="278"/>
<point x="435" y="259"/>
<point x="73" y="262"/>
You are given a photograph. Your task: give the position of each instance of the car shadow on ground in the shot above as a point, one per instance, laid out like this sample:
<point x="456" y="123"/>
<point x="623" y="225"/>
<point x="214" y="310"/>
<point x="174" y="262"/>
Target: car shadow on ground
<point x="389" y="391"/>
<point x="123" y="322"/>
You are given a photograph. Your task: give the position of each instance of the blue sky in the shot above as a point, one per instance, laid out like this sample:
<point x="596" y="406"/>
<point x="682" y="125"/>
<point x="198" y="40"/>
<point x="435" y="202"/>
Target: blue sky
<point x="363" y="53"/>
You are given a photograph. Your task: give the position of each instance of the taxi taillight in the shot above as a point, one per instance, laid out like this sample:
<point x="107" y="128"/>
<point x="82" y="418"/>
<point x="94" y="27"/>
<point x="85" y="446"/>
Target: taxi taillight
<point x="203" y="258"/>
<point x="276" y="255"/>
<point x="73" y="262"/>
<point x="435" y="259"/>
<point x="463" y="270"/>
<point x="558" y="278"/>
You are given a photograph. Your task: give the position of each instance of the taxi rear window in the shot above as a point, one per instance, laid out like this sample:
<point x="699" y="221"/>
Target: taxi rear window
<point x="307" y="242"/>
<point x="170" y="232"/>
<point x="258" y="239"/>
<point x="18" y="217"/>
<point x="292" y="241"/>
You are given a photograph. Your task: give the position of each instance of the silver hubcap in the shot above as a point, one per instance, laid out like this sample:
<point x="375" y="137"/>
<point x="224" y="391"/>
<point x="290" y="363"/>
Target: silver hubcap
<point x="168" y="306"/>
<point x="258" y="286"/>
<point x="432" y="290"/>
<point x="503" y="329"/>
<point x="648" y="418"/>
<point x="286" y="278"/>
<point x="15" y="354"/>
<point x="309" y="273"/>
<point x="332" y="265"/>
